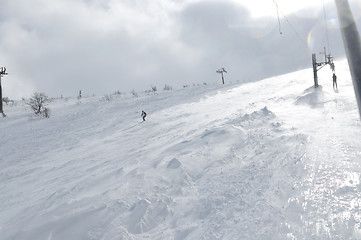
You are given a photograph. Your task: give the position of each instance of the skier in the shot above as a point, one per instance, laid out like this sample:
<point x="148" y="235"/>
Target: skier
<point x="143" y="115"/>
<point x="334" y="81"/>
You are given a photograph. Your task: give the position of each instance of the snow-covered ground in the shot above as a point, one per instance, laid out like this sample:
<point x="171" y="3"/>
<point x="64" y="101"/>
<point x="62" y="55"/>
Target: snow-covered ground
<point x="274" y="159"/>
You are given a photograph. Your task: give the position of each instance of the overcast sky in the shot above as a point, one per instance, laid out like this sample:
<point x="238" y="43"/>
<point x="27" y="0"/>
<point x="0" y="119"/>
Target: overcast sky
<point x="100" y="46"/>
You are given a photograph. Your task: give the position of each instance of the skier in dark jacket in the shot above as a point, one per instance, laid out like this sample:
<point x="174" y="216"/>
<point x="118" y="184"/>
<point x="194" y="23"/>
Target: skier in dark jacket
<point x="143" y="115"/>
<point x="334" y="78"/>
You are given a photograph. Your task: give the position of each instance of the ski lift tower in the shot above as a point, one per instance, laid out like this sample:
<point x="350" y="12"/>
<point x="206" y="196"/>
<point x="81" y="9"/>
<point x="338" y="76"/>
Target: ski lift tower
<point x="221" y="71"/>
<point x="317" y="66"/>
<point x="2" y="72"/>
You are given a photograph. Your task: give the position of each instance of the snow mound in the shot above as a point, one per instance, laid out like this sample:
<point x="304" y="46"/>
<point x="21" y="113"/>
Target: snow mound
<point x="313" y="97"/>
<point x="174" y="164"/>
<point x="263" y="113"/>
<point x="145" y="215"/>
<point x="256" y="119"/>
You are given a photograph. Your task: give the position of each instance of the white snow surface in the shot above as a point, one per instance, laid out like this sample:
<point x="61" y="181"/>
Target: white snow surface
<point x="274" y="159"/>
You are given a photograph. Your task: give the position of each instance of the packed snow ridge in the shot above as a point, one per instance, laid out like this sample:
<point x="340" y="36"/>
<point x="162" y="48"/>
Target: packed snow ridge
<point x="274" y="159"/>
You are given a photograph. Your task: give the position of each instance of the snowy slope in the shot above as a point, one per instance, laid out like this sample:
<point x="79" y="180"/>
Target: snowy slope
<point x="275" y="159"/>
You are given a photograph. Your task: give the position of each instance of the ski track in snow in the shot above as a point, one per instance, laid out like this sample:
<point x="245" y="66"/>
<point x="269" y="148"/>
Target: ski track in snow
<point x="274" y="159"/>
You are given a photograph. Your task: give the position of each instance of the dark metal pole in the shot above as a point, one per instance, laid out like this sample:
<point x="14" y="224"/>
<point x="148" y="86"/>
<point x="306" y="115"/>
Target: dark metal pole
<point x="1" y="97"/>
<point x="314" y="65"/>
<point x="2" y="72"/>
<point x="352" y="43"/>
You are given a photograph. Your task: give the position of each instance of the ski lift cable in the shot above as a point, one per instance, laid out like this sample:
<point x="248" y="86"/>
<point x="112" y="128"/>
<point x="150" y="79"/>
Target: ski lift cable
<point x="278" y="17"/>
<point x="289" y="23"/>
<point x="279" y="22"/>
<point x="300" y="24"/>
<point x="324" y="15"/>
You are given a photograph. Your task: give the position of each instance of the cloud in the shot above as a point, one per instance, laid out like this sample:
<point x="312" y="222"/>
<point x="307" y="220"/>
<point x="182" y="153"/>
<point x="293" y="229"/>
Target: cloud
<point x="100" y="46"/>
<point x="229" y="37"/>
<point x="64" y="46"/>
<point x="253" y="48"/>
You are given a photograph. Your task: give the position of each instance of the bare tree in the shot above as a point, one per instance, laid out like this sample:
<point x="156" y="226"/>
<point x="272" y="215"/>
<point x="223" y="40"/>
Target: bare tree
<point x="135" y="94"/>
<point x="167" y="87"/>
<point x="108" y="97"/>
<point x="153" y="89"/>
<point x="6" y="100"/>
<point x="38" y="104"/>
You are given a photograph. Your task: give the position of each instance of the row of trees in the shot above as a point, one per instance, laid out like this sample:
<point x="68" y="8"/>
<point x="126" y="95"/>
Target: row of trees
<point x="38" y="102"/>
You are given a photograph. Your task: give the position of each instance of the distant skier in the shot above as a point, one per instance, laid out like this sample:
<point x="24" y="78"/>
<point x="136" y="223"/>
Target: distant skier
<point x="143" y="115"/>
<point x="334" y="77"/>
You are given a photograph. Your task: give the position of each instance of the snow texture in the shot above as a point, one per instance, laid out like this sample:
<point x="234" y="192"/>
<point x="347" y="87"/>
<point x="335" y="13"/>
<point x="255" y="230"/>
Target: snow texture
<point x="274" y="159"/>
